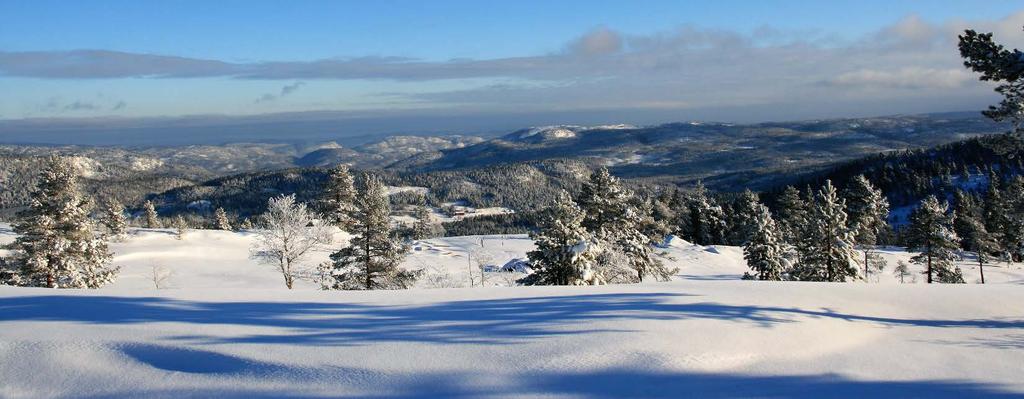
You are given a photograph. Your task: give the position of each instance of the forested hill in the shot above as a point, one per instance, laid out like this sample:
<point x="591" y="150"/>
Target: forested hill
<point x="908" y="176"/>
<point x="724" y="156"/>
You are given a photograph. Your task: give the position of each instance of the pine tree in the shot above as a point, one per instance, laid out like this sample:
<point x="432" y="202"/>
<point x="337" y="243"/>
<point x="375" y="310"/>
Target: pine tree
<point x="867" y="210"/>
<point x="931" y="233"/>
<point x="970" y="227"/>
<point x="791" y="217"/>
<point x="56" y="246"/>
<point x="114" y="218"/>
<point x="152" y="220"/>
<point x="221" y="221"/>
<point x="902" y="271"/>
<point x="613" y="220"/>
<point x="179" y="225"/>
<point x="372" y="257"/>
<point x="246" y="225"/>
<point x="1013" y="230"/>
<point x="422" y="227"/>
<point x="996" y="212"/>
<point x="339" y="201"/>
<point x="826" y="245"/>
<point x="763" y="251"/>
<point x="997" y="64"/>
<point x="566" y="252"/>
<point x="707" y="221"/>
<point x="743" y="218"/>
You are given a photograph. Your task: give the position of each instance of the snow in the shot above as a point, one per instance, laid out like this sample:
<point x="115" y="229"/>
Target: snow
<point x="227" y="327"/>
<point x="392" y="190"/>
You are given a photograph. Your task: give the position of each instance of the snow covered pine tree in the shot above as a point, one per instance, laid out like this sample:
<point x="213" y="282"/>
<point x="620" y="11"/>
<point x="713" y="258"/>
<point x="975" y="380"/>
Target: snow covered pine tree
<point x="931" y="233"/>
<point x="867" y="210"/>
<point x="609" y="215"/>
<point x="152" y="219"/>
<point x="56" y="246"/>
<point x="371" y="259"/>
<point x="566" y="251"/>
<point x="221" y="221"/>
<point x="763" y="251"/>
<point x="826" y="244"/>
<point x="339" y="200"/>
<point x="113" y="217"/>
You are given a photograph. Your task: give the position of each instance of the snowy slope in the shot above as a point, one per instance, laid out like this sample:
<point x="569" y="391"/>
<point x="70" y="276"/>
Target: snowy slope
<point x="206" y="259"/>
<point x="228" y="328"/>
<point x="685" y="338"/>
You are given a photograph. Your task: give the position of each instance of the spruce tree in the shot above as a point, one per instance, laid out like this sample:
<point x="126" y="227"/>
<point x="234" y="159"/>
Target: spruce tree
<point x="339" y="200"/>
<point x="152" y="219"/>
<point x="566" y="252"/>
<point x="371" y="259"/>
<point x="221" y="221"/>
<point x="56" y="246"/>
<point x="763" y="251"/>
<point x="826" y="245"/>
<point x="931" y="233"/>
<point x="114" y="218"/>
<point x="246" y="225"/>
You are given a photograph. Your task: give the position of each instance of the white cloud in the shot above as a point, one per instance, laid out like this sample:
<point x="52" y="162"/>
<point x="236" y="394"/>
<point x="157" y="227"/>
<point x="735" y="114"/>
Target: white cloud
<point x="907" y="78"/>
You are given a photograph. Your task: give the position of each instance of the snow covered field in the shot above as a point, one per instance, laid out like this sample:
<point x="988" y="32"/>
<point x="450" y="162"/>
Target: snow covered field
<point x="225" y="326"/>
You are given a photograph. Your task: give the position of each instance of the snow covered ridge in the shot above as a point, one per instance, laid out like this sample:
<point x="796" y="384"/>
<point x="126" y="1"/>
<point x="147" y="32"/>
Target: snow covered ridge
<point x="563" y="131"/>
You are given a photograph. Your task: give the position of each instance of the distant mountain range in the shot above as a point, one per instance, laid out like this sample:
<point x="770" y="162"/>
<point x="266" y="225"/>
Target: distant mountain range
<point x="725" y="156"/>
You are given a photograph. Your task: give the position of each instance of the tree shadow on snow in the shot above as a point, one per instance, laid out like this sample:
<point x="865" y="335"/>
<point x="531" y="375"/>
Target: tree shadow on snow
<point x="615" y="383"/>
<point x="469" y="321"/>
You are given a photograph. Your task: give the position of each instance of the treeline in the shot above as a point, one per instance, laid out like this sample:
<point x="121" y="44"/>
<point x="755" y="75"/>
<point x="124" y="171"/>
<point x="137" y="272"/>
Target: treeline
<point x="906" y="177"/>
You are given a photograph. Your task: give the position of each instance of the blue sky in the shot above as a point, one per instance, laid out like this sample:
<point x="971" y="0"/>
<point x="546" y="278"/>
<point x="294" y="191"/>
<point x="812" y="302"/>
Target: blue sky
<point x="64" y="59"/>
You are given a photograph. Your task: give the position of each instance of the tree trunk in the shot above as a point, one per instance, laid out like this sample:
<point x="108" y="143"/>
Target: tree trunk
<point x="981" y="268"/>
<point x="929" y="269"/>
<point x="865" y="265"/>
<point x="366" y="249"/>
<point x="286" y="271"/>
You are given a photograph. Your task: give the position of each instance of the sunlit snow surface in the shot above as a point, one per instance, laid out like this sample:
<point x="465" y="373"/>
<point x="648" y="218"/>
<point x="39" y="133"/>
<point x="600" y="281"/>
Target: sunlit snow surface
<point x="224" y="326"/>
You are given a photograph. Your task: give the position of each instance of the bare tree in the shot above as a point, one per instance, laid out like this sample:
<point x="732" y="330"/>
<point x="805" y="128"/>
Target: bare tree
<point x="161" y="276"/>
<point x="290" y="231"/>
